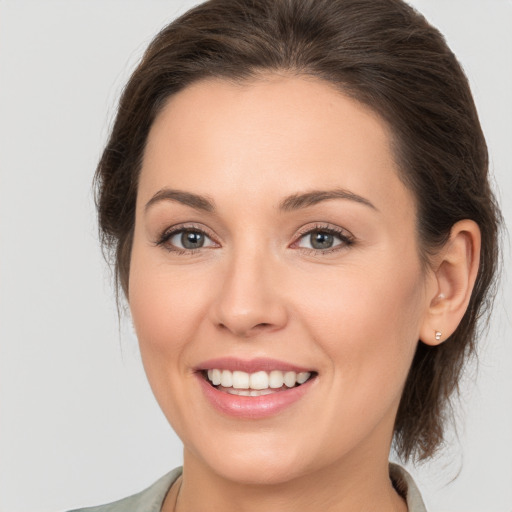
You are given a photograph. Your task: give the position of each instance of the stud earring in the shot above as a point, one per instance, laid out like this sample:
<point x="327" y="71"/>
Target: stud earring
<point x="438" y="335"/>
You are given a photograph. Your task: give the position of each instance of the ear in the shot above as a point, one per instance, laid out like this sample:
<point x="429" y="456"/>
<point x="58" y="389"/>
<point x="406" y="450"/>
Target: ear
<point x="454" y="272"/>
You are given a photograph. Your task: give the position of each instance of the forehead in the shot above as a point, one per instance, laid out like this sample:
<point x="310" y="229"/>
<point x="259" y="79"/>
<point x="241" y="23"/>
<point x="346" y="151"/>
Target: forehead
<point x="270" y="136"/>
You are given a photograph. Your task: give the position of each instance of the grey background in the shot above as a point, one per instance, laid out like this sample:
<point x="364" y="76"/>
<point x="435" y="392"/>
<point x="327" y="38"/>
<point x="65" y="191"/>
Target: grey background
<point x="78" y="424"/>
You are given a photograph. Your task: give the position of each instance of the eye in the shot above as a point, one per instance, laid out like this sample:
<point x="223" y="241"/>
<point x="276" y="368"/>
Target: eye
<point x="185" y="240"/>
<point x="188" y="239"/>
<point x="319" y="240"/>
<point x="324" y="239"/>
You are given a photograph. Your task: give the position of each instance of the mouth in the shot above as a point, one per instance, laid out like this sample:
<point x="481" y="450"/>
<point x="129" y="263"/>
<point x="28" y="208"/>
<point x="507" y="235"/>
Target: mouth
<point x="255" y="384"/>
<point x="254" y="389"/>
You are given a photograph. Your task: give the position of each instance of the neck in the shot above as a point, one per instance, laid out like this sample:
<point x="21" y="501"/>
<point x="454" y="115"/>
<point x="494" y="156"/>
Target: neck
<point x="354" y="486"/>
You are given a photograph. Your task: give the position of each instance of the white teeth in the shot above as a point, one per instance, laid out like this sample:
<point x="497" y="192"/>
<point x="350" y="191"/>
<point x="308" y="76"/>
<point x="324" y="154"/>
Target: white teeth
<point x="226" y="379"/>
<point x="290" y="379"/>
<point x="248" y="392"/>
<point x="240" y="380"/>
<point x="256" y="392"/>
<point x="303" y="377"/>
<point x="240" y="392"/>
<point x="276" y="379"/>
<point x="215" y="377"/>
<point x="260" y="382"/>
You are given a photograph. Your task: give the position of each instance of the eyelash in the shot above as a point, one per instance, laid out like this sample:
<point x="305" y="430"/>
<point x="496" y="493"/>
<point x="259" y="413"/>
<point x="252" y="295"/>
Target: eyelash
<point x="165" y="237"/>
<point x="346" y="238"/>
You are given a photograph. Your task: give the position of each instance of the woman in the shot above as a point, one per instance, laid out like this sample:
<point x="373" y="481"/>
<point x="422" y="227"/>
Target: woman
<point x="296" y="199"/>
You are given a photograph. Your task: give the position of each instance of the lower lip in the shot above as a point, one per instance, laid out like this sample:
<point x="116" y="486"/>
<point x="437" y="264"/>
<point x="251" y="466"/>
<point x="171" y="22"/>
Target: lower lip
<point x="253" y="407"/>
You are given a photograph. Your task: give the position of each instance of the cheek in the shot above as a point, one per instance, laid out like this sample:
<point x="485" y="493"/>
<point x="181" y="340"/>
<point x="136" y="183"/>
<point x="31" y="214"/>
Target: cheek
<point x="367" y="318"/>
<point x="165" y="306"/>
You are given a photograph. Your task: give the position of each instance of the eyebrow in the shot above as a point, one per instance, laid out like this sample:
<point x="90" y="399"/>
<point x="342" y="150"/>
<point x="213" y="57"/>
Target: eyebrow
<point x="187" y="198"/>
<point x="313" y="197"/>
<point x="291" y="203"/>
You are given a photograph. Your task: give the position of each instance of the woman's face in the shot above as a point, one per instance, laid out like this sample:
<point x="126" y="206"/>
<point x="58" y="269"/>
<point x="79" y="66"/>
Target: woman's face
<point x="274" y="236"/>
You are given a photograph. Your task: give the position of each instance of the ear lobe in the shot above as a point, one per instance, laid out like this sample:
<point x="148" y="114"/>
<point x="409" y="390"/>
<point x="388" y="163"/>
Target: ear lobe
<point x="455" y="269"/>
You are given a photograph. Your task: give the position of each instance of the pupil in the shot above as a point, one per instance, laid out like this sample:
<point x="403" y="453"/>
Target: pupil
<point x="192" y="239"/>
<point x="321" y="240"/>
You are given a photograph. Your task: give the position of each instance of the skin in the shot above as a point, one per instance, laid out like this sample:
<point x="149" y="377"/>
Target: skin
<point x="353" y="314"/>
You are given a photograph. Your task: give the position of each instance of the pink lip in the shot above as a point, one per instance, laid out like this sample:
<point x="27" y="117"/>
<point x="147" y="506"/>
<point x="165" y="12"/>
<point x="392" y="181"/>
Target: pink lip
<point x="250" y="366"/>
<point x="252" y="407"/>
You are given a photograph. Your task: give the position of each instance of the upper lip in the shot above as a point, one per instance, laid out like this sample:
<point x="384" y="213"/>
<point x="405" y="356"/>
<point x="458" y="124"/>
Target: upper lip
<point x="250" y="365"/>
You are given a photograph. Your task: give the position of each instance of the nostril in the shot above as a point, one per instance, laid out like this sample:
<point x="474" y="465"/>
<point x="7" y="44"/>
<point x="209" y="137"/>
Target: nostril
<point x="244" y="331"/>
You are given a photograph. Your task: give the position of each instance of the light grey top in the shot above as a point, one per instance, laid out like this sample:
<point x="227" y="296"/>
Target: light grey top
<point x="151" y="499"/>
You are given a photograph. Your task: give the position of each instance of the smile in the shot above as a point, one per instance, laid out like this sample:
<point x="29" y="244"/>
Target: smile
<point x="255" y="389"/>
<point x="255" y="384"/>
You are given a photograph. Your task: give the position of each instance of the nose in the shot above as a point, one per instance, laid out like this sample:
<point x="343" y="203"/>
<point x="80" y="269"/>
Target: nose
<point x="250" y="300"/>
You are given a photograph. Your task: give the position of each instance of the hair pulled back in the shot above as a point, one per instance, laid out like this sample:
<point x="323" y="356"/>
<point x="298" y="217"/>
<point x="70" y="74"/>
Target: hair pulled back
<point x="385" y="55"/>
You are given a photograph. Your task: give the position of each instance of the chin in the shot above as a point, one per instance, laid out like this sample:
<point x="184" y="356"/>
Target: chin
<point x="260" y="471"/>
<point x="254" y="460"/>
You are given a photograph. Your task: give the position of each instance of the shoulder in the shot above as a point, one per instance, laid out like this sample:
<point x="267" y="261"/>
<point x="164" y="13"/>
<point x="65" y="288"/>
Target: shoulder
<point x="149" y="500"/>
<point x="406" y="487"/>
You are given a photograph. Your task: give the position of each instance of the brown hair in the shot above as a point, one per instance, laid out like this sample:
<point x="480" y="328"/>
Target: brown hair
<point x="385" y="55"/>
